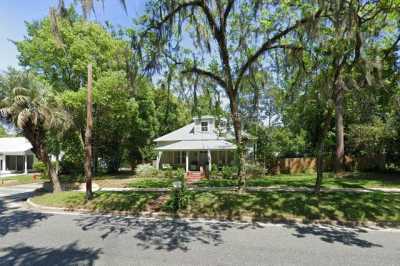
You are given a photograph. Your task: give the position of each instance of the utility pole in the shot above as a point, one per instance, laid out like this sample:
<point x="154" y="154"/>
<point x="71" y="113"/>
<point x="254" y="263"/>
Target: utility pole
<point x="88" y="134"/>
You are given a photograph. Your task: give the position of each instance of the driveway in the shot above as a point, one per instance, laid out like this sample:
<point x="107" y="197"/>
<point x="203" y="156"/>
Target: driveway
<point x="28" y="237"/>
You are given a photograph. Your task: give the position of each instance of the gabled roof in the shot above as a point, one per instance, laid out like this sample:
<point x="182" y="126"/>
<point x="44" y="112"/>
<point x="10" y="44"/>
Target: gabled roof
<point x="193" y="145"/>
<point x="187" y="133"/>
<point x="15" y="144"/>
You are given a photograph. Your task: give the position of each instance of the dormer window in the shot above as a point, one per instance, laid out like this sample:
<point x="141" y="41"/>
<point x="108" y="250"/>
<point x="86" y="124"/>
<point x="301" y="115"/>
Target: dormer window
<point x="204" y="126"/>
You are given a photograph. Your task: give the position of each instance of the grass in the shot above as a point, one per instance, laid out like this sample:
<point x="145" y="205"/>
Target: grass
<point x="275" y="206"/>
<point x="348" y="180"/>
<point x="359" y="207"/>
<point x="153" y="182"/>
<point x="18" y="180"/>
<point x="353" y="180"/>
<point x="102" y="201"/>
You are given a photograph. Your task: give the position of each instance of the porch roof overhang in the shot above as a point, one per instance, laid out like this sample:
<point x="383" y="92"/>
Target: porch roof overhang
<point x="15" y="146"/>
<point x="193" y="145"/>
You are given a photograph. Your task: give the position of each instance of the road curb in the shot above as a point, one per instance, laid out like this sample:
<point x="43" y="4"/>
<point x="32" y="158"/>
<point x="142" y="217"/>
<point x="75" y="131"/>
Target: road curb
<point x="57" y="209"/>
<point x="146" y="214"/>
<point x="243" y="219"/>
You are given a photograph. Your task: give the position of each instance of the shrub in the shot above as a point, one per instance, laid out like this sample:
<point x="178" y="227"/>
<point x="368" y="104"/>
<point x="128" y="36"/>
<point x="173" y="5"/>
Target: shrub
<point x="214" y="171"/>
<point x="166" y="166"/>
<point x="40" y="167"/>
<point x="169" y="173"/>
<point x="229" y="171"/>
<point x="180" y="175"/>
<point x="179" y="196"/>
<point x="146" y="170"/>
<point x="254" y="170"/>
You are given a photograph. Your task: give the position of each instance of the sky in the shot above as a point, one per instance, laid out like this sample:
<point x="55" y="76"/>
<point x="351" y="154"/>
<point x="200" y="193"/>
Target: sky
<point x="14" y="13"/>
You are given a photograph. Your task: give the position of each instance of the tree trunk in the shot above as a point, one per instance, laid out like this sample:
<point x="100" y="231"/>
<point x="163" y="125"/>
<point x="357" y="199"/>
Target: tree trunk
<point x="320" y="166"/>
<point x="53" y="175"/>
<point x="320" y="149"/>
<point x="239" y="142"/>
<point x="36" y="137"/>
<point x="88" y="135"/>
<point x="339" y="160"/>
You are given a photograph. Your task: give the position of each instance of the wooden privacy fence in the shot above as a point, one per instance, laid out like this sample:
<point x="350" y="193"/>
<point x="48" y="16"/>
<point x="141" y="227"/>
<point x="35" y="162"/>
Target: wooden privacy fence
<point x="308" y="164"/>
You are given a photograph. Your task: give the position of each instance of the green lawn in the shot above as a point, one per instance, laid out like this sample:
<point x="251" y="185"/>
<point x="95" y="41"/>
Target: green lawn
<point x="18" y="180"/>
<point x="349" y="180"/>
<point x="102" y="201"/>
<point x="262" y="206"/>
<point x="354" y="180"/>
<point x="360" y="207"/>
<point x="153" y="182"/>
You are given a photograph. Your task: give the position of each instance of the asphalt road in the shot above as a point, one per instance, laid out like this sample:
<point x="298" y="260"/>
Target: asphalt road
<point x="29" y="237"/>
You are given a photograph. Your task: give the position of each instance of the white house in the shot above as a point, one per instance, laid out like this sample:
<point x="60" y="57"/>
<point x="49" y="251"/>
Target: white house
<point x="198" y="145"/>
<point x="15" y="155"/>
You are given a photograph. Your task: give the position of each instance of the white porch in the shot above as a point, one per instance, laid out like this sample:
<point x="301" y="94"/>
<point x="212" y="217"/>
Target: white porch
<point x="15" y="155"/>
<point x="193" y="160"/>
<point x="18" y="162"/>
<point x="195" y="155"/>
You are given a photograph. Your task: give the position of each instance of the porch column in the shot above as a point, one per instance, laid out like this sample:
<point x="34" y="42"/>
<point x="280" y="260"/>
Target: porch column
<point x="187" y="161"/>
<point x="209" y="160"/>
<point x="4" y="163"/>
<point x="158" y="160"/>
<point x="26" y="164"/>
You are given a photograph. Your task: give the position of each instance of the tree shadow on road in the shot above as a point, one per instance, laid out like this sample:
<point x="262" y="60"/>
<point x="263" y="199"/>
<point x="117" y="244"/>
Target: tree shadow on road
<point x="70" y="254"/>
<point x="13" y="219"/>
<point x="333" y="234"/>
<point x="161" y="234"/>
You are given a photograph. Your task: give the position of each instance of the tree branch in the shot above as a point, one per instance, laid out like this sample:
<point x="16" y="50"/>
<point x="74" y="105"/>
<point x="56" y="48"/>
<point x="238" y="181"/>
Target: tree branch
<point x="173" y="12"/>
<point x="226" y="13"/>
<point x="206" y="73"/>
<point x="286" y="46"/>
<point x="268" y="44"/>
<point x="392" y="47"/>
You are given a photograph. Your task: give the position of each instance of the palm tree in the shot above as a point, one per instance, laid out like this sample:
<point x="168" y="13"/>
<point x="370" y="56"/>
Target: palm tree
<point x="35" y="113"/>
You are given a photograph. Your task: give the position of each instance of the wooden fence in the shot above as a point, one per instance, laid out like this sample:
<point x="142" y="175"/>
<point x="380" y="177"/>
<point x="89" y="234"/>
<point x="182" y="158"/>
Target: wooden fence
<point x="308" y="164"/>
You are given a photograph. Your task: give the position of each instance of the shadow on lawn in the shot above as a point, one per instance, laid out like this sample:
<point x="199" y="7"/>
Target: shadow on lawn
<point x="13" y="219"/>
<point x="347" y="207"/>
<point x="70" y="254"/>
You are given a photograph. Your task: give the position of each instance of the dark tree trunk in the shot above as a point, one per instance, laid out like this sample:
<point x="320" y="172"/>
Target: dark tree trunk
<point x="320" y="167"/>
<point x="88" y="135"/>
<point x="239" y="141"/>
<point x="320" y="149"/>
<point x="339" y="160"/>
<point x="35" y="136"/>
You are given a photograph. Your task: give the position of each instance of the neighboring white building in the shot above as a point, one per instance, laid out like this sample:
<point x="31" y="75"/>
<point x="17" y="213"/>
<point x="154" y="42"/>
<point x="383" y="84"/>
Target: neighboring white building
<point x="197" y="145"/>
<point x="15" y="155"/>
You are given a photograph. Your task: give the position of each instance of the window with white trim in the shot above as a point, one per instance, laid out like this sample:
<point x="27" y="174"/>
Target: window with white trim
<point x="204" y="126"/>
